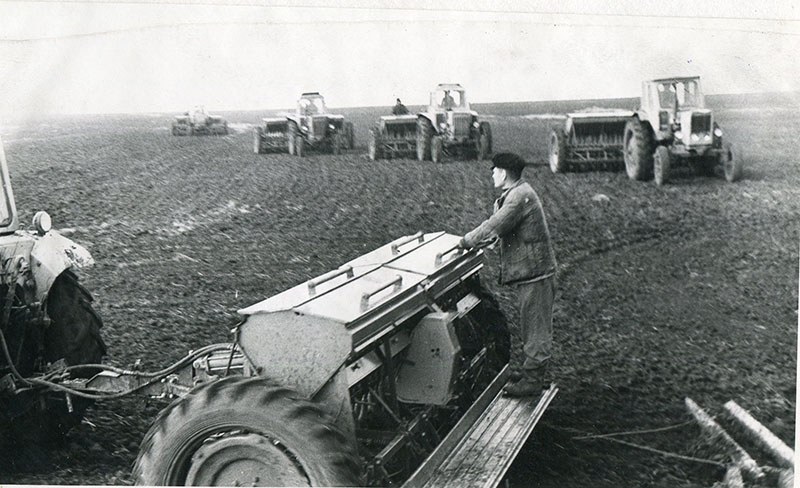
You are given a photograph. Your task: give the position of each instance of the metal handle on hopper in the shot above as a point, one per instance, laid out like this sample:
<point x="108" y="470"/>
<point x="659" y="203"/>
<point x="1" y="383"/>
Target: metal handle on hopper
<point x="313" y="284"/>
<point x="440" y="256"/>
<point x="419" y="236"/>
<point x="397" y="282"/>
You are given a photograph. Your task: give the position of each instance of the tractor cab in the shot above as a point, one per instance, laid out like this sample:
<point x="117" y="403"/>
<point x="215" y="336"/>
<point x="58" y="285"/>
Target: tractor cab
<point x="447" y="97"/>
<point x="311" y="104"/>
<point x="677" y="111"/>
<point x="674" y="93"/>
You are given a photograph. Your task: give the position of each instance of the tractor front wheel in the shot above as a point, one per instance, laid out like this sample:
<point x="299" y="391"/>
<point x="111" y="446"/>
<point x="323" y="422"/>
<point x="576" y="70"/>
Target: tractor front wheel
<point x="731" y="164"/>
<point x="661" y="165"/>
<point x="245" y="432"/>
<point x="424" y="134"/>
<point x="558" y="151"/>
<point x="638" y="144"/>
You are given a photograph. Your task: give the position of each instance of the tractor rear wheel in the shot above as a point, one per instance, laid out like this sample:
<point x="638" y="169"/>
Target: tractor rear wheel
<point x="558" y="151"/>
<point x="661" y="165"/>
<point x="486" y="129"/>
<point x="74" y="331"/>
<point x="373" y="152"/>
<point x="437" y="149"/>
<point x="424" y="134"/>
<point x="638" y="150"/>
<point x="731" y="164"/>
<point x="351" y="136"/>
<point x="74" y="335"/>
<point x="245" y="432"/>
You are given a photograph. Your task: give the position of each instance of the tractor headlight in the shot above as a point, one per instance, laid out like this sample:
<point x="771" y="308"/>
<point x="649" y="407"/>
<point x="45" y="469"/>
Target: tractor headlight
<point x="443" y="126"/>
<point x="331" y="127"/>
<point x="476" y="124"/>
<point x="42" y="222"/>
<point x="679" y="135"/>
<point x="695" y="137"/>
<point x="706" y="137"/>
<point x="718" y="132"/>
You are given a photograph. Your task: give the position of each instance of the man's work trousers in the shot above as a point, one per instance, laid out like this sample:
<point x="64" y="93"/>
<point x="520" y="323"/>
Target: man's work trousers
<point x="535" y="328"/>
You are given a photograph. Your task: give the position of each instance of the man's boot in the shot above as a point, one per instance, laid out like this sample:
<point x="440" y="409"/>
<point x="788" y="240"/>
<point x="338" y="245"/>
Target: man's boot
<point x="531" y="382"/>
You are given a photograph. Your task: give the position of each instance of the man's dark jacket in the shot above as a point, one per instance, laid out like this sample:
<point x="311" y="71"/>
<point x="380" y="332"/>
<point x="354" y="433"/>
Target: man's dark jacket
<point x="518" y="220"/>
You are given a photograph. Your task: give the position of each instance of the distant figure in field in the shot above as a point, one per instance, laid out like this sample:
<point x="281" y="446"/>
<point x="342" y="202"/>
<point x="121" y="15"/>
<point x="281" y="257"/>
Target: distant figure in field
<point x="399" y="108"/>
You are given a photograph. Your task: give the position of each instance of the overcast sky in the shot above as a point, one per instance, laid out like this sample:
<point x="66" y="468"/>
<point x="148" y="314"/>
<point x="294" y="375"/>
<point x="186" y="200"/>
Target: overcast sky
<point x="145" y="56"/>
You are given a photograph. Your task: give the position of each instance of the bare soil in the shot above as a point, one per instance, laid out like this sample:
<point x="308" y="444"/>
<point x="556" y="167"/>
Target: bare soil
<point x="690" y="289"/>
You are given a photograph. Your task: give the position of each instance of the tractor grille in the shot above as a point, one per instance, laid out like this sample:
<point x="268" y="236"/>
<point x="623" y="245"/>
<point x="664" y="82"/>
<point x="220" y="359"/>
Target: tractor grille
<point x="461" y="125"/>
<point x="701" y="123"/>
<point x="320" y="126"/>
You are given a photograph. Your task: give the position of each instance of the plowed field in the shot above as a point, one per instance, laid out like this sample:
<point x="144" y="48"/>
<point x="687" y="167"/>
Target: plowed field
<point x="690" y="289"/>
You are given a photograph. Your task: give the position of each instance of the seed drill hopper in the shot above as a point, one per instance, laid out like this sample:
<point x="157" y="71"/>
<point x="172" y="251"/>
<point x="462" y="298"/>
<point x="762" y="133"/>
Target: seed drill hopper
<point x="386" y="370"/>
<point x="590" y="140"/>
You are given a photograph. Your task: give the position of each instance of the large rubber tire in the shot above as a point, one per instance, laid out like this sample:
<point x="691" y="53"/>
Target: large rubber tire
<point x="258" y="133"/>
<point x="731" y="164"/>
<point x="351" y="135"/>
<point x="74" y="330"/>
<point x="424" y="135"/>
<point x="437" y="149"/>
<point x="638" y="150"/>
<point x="373" y="149"/>
<point x="558" y="151"/>
<point x="339" y="143"/>
<point x="292" y="134"/>
<point x="74" y="335"/>
<point x="662" y="160"/>
<point x="245" y="432"/>
<point x="486" y="129"/>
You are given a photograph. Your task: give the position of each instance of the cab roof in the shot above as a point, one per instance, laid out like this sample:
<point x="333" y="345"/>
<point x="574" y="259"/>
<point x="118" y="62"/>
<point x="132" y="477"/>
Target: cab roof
<point x="448" y="86"/>
<point x="676" y="78"/>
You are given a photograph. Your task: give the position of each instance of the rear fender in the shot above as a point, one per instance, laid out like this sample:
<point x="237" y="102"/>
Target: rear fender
<point x="431" y="117"/>
<point x="51" y="255"/>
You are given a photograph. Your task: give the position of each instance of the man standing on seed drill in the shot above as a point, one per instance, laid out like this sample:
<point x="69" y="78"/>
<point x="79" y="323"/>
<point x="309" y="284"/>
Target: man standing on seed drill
<point x="528" y="263"/>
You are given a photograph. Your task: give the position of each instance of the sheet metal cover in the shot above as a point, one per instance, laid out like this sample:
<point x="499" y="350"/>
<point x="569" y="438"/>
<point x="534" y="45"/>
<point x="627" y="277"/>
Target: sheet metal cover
<point x="422" y="260"/>
<point x="344" y="303"/>
<point x="299" y="294"/>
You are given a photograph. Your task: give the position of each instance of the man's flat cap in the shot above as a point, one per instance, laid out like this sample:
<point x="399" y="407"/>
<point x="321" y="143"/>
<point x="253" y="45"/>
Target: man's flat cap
<point x="507" y="160"/>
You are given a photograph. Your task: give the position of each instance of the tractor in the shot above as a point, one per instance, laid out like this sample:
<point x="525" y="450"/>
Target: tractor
<point x="312" y="127"/>
<point x="448" y="126"/>
<point x="199" y="122"/>
<point x="673" y="128"/>
<point x="48" y="322"/>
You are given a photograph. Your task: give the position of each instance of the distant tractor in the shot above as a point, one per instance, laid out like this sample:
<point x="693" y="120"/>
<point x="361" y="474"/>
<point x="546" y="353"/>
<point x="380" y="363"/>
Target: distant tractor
<point x="450" y="127"/>
<point x="673" y="128"/>
<point x="590" y="140"/>
<point x="199" y="122"/>
<point x="309" y="127"/>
